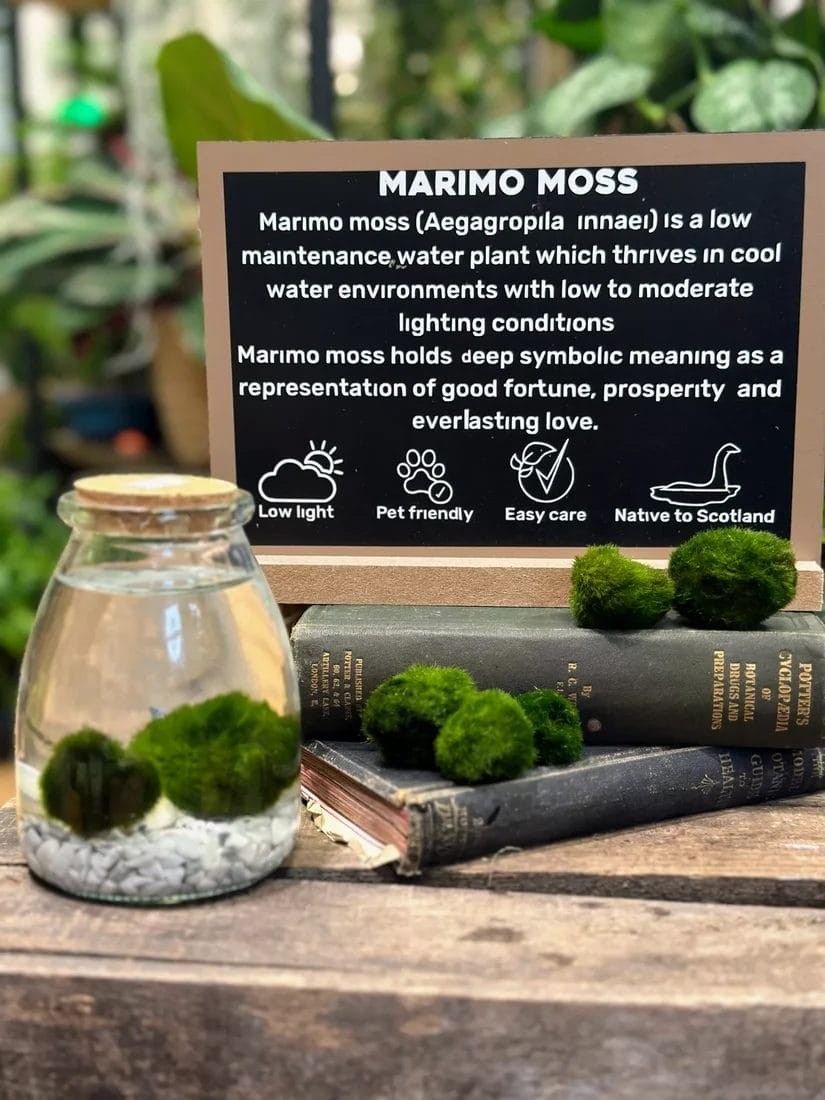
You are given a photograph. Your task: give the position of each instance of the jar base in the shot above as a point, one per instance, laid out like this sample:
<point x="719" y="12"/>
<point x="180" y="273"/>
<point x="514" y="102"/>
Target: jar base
<point x="158" y="902"/>
<point x="169" y="858"/>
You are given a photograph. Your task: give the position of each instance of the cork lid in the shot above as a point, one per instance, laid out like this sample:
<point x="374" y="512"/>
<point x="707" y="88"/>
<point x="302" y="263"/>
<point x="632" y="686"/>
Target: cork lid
<point x="151" y="491"/>
<point x="154" y="505"/>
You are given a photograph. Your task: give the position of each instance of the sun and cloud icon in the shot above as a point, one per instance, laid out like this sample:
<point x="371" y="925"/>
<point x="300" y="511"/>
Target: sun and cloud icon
<point x="307" y="480"/>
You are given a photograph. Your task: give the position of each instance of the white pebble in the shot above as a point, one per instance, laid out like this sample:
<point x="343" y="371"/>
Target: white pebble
<point x="47" y="852"/>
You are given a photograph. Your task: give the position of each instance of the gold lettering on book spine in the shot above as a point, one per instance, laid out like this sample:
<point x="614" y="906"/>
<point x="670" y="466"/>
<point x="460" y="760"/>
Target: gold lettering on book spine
<point x="347" y="685"/>
<point x="726" y="793"/>
<point x="797" y="771"/>
<point x="750" y="692"/>
<point x="784" y="691"/>
<point x="444" y="830"/>
<point x="804" y="693"/>
<point x="757" y="778"/>
<point x="718" y="690"/>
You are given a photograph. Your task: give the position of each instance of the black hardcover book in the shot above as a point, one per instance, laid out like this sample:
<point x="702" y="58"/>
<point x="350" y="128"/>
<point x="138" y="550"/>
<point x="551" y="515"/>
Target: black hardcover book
<point x="432" y="821"/>
<point x="672" y="684"/>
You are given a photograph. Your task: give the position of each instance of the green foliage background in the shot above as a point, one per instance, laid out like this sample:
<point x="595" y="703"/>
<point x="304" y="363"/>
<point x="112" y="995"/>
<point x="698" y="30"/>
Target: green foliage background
<point x="457" y="68"/>
<point x="647" y="65"/>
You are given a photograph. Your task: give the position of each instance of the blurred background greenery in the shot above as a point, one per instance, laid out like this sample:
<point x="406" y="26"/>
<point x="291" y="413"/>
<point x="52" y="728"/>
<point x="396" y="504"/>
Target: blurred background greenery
<point x="102" y="103"/>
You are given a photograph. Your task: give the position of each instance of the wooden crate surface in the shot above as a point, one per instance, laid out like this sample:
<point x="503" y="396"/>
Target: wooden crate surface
<point x="665" y="960"/>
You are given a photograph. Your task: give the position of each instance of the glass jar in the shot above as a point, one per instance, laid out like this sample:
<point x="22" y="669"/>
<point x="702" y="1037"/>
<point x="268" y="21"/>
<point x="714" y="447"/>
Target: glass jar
<point x="157" y="722"/>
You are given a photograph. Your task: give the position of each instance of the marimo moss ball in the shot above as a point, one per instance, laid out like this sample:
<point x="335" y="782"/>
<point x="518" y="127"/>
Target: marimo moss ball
<point x="404" y="713"/>
<point x="557" y="729"/>
<point x="610" y="591"/>
<point x="732" y="578"/>
<point x="488" y="739"/>
<point x="225" y="757"/>
<point x="93" y="784"/>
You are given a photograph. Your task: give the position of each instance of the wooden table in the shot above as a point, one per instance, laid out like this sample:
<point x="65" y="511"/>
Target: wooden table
<point x="685" y="959"/>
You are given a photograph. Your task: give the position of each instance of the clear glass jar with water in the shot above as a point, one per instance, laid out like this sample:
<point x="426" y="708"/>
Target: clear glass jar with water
<point x="157" y="722"/>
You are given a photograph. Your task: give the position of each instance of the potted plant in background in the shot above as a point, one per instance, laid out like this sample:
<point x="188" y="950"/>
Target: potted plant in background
<point x="31" y="539"/>
<point x="206" y="96"/>
<point x="104" y="295"/>
<point x="647" y="65"/>
<point x="72" y="278"/>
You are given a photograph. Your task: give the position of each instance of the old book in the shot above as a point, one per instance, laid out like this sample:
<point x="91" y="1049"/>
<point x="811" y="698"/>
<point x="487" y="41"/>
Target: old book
<point x="672" y="684"/>
<point x="425" y="819"/>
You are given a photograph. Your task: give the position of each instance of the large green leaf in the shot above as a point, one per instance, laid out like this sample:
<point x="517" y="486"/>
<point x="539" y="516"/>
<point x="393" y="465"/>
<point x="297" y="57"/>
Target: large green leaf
<point x="603" y="82"/>
<point x="93" y="177"/>
<point x="29" y="216"/>
<point x="19" y="259"/>
<point x="206" y="97"/>
<point x="516" y="124"/>
<point x="711" y="21"/>
<point x="646" y="32"/>
<point x="753" y="95"/>
<point x="575" y="10"/>
<point x="582" y="35"/>
<point x="805" y="26"/>
<point x="109" y="285"/>
<point x="50" y="322"/>
<point x="190" y="319"/>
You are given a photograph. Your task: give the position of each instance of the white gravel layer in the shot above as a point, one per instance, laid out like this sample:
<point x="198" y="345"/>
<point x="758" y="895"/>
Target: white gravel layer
<point x="168" y="856"/>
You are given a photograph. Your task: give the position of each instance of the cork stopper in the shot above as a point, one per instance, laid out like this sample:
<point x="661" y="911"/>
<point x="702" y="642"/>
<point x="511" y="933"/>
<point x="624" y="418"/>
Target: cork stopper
<point x="154" y="505"/>
<point x="154" y="491"/>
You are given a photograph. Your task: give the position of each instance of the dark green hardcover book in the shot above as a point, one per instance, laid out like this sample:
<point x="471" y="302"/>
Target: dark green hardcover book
<point x="672" y="684"/>
<point x="431" y="821"/>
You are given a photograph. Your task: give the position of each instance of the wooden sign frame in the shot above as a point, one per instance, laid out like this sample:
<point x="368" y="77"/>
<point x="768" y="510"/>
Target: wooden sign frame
<point x="512" y="575"/>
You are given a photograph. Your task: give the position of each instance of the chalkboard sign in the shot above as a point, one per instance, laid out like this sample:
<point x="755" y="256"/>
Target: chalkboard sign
<point x="444" y="368"/>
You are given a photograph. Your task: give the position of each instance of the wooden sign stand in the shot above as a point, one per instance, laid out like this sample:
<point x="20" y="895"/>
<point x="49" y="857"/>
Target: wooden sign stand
<point x="443" y="369"/>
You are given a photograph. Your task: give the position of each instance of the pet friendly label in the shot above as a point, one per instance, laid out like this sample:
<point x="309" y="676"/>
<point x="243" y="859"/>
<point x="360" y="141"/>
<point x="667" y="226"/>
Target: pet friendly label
<point x="532" y="344"/>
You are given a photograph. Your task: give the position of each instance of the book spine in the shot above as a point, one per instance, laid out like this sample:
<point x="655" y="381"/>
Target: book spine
<point x="661" y="686"/>
<point x="616" y="794"/>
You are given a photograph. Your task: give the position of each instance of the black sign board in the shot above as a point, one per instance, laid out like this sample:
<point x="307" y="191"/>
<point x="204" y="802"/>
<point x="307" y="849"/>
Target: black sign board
<point x="511" y="350"/>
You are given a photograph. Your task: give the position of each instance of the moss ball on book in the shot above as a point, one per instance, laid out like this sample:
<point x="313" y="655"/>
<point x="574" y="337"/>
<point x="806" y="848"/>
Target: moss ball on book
<point x="732" y="578"/>
<point x="557" y="729"/>
<point x="404" y="714"/>
<point x="487" y="740"/>
<point x="609" y="591"/>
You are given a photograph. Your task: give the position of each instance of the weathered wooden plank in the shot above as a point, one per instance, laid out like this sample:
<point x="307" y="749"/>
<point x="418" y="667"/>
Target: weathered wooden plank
<point x="9" y="848"/>
<point x="771" y="854"/>
<point x="155" y="1034"/>
<point x="514" y="942"/>
<point x="327" y="988"/>
<point x="757" y="855"/>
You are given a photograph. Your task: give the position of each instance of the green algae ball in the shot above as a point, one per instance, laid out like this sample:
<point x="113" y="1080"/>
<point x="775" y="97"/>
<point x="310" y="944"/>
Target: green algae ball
<point x="93" y="784"/>
<point x="404" y="713"/>
<point x="487" y="740"/>
<point x="225" y="757"/>
<point x="557" y="728"/>
<point x="732" y="578"/>
<point x="610" y="591"/>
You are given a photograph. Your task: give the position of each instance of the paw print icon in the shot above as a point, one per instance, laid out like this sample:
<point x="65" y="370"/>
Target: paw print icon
<point x="421" y="472"/>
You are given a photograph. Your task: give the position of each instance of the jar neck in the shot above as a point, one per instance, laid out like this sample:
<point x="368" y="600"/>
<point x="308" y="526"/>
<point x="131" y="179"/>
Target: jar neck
<point x="124" y="563"/>
<point x="157" y="522"/>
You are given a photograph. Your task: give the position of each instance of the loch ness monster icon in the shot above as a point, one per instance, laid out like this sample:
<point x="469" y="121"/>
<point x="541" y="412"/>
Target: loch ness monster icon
<point x="697" y="494"/>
